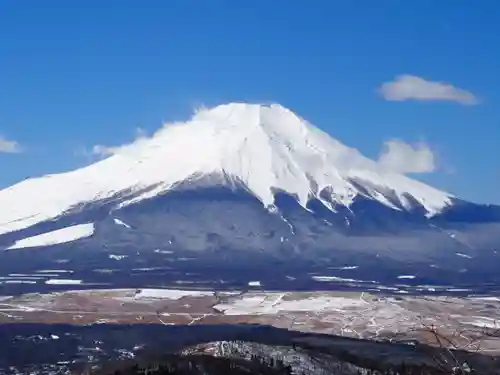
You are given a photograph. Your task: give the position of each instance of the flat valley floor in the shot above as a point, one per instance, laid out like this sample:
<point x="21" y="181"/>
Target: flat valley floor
<point x="469" y="323"/>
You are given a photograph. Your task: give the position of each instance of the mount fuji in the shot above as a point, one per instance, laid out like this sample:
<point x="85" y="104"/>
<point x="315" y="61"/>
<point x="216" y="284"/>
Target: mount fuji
<point x="241" y="192"/>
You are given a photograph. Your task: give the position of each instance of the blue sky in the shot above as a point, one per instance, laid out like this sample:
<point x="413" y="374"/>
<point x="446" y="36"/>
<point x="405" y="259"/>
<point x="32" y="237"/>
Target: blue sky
<point x="74" y="74"/>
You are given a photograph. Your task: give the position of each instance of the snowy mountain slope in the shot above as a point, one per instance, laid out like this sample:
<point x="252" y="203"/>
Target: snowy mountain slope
<point x="265" y="148"/>
<point x="224" y="238"/>
<point x="63" y="235"/>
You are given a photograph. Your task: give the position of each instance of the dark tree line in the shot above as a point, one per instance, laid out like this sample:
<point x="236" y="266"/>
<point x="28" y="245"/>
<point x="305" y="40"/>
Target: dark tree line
<point x="201" y="364"/>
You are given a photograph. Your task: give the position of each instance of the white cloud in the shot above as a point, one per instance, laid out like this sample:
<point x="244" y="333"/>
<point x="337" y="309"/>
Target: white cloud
<point x="9" y="146"/>
<point x="408" y="87"/>
<point x="401" y="157"/>
<point x="104" y="151"/>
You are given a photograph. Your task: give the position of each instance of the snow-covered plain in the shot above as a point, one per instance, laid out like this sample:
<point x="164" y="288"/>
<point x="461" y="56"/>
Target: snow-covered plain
<point x="266" y="147"/>
<point x="64" y="235"/>
<point x="260" y="304"/>
<point x="171" y="293"/>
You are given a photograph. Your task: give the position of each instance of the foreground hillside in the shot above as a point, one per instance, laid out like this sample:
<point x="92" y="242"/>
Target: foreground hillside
<point x="55" y="349"/>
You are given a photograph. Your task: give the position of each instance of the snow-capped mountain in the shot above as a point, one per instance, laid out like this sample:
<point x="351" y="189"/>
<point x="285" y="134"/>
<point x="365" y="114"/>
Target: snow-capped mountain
<point x="265" y="148"/>
<point x="246" y="179"/>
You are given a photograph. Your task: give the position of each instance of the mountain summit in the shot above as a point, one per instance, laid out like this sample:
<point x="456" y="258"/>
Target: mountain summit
<point x="242" y="185"/>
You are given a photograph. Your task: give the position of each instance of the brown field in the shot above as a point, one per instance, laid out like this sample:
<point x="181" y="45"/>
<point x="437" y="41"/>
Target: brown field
<point x="465" y="320"/>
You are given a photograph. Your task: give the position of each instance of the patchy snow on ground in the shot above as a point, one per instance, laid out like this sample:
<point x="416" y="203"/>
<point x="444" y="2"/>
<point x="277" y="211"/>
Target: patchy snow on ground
<point x="105" y="270"/>
<point x="40" y="275"/>
<point x="59" y="236"/>
<point x="146" y="269"/>
<point x="117" y="257"/>
<point x="428" y="288"/>
<point x="21" y="276"/>
<point x="55" y="271"/>
<point x="340" y="279"/>
<point x="159" y="251"/>
<point x="122" y="223"/>
<point x="458" y="290"/>
<point x="263" y="304"/>
<point x="63" y="282"/>
<point x="484" y="322"/>
<point x="171" y="293"/>
<point x="496" y="299"/>
<point x="384" y="287"/>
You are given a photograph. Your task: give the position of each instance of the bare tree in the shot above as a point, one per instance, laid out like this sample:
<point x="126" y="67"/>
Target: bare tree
<point x="450" y="344"/>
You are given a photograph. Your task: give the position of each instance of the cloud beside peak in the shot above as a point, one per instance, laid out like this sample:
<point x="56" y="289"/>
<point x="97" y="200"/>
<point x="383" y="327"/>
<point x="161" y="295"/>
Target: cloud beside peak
<point x="9" y="146"/>
<point x="409" y="87"/>
<point x="103" y="151"/>
<point x="401" y="157"/>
